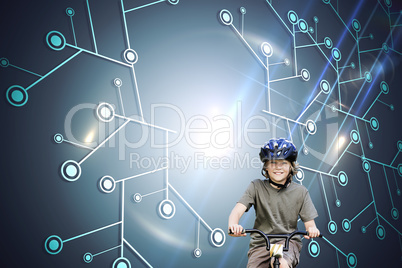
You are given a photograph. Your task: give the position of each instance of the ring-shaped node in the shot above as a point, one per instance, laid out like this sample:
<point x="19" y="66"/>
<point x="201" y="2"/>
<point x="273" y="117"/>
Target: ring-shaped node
<point x="326" y="1"/>
<point x="117" y="82"/>
<point x="314" y="249"/>
<point x="399" y="168"/>
<point x="346" y="225"/>
<point x="388" y="3"/>
<point x="105" y="112"/>
<point x="107" y="184"/>
<point x="356" y="25"/>
<point x="392" y="107"/>
<point x="17" y="95"/>
<point x="243" y="10"/>
<point x="384" y="87"/>
<point x="316" y="20"/>
<point x="352" y="65"/>
<point x="71" y="170"/>
<point x="363" y="229"/>
<point x="368" y="77"/>
<point x="371" y="145"/>
<point x="286" y="62"/>
<point x="332" y="227"/>
<point x="292" y="17"/>
<point x="385" y="47"/>
<point x="338" y="203"/>
<point x="366" y="166"/>
<point x="218" y="237"/>
<point x="130" y="56"/>
<point x="398" y="192"/>
<point x="303" y="26"/>
<point x="351" y="260"/>
<point x="197" y="253"/>
<point x="311" y="30"/>
<point x="336" y="54"/>
<point x="305" y="151"/>
<point x="300" y="175"/>
<point x="70" y="12"/>
<point x="226" y="17"/>
<point x="88" y="257"/>
<point x="266" y="49"/>
<point x="399" y="146"/>
<point x="325" y="87"/>
<point x="305" y="74"/>
<point x="166" y="209"/>
<point x="55" y="40"/>
<point x="380" y="232"/>
<point x="137" y="197"/>
<point x="328" y="42"/>
<point x="173" y="2"/>
<point x="342" y="178"/>
<point x="4" y="62"/>
<point x="355" y="136"/>
<point x="375" y="125"/>
<point x="121" y="263"/>
<point x="394" y="213"/>
<point x="58" y="138"/>
<point x="311" y="127"/>
<point x="53" y="244"/>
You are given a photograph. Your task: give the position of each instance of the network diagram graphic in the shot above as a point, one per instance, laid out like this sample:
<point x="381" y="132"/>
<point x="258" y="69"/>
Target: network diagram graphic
<point x="299" y="26"/>
<point x="70" y="170"/>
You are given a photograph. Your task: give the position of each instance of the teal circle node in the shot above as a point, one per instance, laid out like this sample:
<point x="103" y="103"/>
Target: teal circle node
<point x="368" y="77"/>
<point x="4" y="62"/>
<point x="371" y="145"/>
<point x="338" y="203"/>
<point x="17" y="95"/>
<point x="385" y="47"/>
<point x="53" y="244"/>
<point x="336" y="54"/>
<point x="353" y="65"/>
<point x="70" y="12"/>
<point x="311" y="127"/>
<point x="332" y="227"/>
<point x="374" y="123"/>
<point x="342" y="178"/>
<point x="121" y="263"/>
<point x="325" y="87"/>
<point x="366" y="166"/>
<point x="326" y="1"/>
<point x="305" y="74"/>
<point x="399" y="146"/>
<point x="311" y="30"/>
<point x="364" y="229"/>
<point x="394" y="213"/>
<point x="243" y="10"/>
<point x="172" y="2"/>
<point x="266" y="49"/>
<point x="380" y="231"/>
<point x="71" y="170"/>
<point x="356" y="25"/>
<point x="303" y="26"/>
<point x="315" y="18"/>
<point x="388" y="3"/>
<point x="371" y="36"/>
<point x="398" y="192"/>
<point x="55" y="40"/>
<point x="226" y="17"/>
<point x="355" y="136"/>
<point x="384" y="87"/>
<point x="351" y="260"/>
<point x="346" y="225"/>
<point x="130" y="56"/>
<point x="399" y="168"/>
<point x="328" y="42"/>
<point x="292" y="17"/>
<point x="392" y="107"/>
<point x="58" y="138"/>
<point x="107" y="184"/>
<point x="314" y="249"/>
<point x="88" y="257"/>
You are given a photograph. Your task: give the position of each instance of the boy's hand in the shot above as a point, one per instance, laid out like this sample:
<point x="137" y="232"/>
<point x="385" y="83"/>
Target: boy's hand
<point x="236" y="230"/>
<point x="313" y="232"/>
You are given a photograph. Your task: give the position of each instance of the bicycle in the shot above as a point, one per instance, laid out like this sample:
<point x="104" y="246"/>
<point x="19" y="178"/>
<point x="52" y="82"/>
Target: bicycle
<point x="266" y="237"/>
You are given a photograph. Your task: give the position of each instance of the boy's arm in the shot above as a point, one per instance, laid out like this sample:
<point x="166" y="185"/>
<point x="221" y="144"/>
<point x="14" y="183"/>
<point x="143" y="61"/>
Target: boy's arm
<point x="311" y="228"/>
<point x="234" y="219"/>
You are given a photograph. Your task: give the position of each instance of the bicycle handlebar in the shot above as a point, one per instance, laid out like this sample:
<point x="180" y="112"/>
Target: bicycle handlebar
<point x="268" y="236"/>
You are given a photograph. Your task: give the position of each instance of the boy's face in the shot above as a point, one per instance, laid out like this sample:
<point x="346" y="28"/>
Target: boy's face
<point x="278" y="170"/>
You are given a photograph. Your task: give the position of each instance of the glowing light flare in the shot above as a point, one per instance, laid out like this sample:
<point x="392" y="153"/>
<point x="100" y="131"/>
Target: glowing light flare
<point x="90" y="137"/>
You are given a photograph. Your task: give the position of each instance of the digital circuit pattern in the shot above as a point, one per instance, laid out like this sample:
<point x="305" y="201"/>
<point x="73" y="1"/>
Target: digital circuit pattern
<point x="299" y="26"/>
<point x="303" y="128"/>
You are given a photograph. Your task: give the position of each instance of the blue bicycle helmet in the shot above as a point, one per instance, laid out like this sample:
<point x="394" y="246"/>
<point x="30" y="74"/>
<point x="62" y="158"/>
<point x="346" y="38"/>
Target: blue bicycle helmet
<point x="276" y="149"/>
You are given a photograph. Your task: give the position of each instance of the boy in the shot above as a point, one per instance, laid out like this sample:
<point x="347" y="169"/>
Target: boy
<point x="278" y="203"/>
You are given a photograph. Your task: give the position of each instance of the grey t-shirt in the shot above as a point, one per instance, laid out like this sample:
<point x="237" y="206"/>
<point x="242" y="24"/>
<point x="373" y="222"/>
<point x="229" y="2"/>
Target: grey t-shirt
<point x="277" y="212"/>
